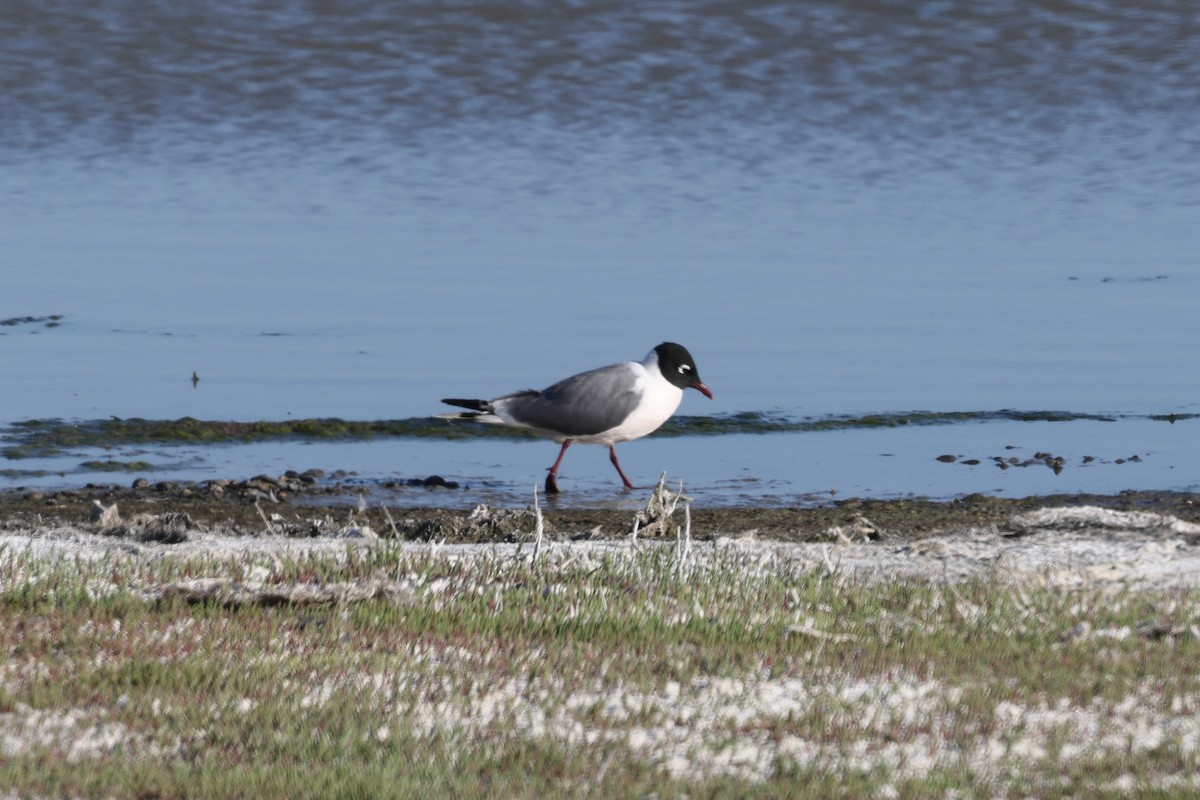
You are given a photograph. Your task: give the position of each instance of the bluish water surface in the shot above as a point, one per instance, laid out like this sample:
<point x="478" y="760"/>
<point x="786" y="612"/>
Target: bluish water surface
<point x="352" y="210"/>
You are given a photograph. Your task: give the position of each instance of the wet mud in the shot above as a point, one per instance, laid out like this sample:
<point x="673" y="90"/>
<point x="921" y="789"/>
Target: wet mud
<point x="307" y="504"/>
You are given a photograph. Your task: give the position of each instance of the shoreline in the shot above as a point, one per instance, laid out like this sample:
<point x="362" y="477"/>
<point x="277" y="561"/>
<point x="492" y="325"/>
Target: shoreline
<point x="238" y="506"/>
<point x="1147" y="540"/>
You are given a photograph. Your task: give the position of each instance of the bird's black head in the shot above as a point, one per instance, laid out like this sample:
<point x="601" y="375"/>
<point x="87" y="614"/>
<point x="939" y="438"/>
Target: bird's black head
<point x="678" y="367"/>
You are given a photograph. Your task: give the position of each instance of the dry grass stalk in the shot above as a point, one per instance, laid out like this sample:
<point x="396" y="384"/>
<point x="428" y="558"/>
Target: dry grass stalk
<point x="539" y="526"/>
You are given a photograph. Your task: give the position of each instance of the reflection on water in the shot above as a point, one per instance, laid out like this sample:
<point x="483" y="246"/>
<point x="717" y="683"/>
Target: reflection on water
<point x="353" y="209"/>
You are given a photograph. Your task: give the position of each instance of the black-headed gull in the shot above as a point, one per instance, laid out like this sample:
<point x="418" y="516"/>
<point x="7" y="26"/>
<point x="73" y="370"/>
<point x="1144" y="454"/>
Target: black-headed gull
<point x="603" y="406"/>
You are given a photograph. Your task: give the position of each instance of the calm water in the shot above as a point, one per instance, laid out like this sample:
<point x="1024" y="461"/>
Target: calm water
<point x="354" y="209"/>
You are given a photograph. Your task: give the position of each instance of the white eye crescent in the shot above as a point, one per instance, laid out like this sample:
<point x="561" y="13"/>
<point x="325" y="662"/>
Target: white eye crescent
<point x="684" y="368"/>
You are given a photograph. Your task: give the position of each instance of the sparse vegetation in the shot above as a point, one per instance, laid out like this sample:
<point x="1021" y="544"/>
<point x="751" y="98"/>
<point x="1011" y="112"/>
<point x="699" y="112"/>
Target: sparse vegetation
<point x="599" y="669"/>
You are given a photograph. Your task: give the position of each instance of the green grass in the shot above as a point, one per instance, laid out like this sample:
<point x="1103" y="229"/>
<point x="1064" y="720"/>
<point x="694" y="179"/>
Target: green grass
<point x="602" y="672"/>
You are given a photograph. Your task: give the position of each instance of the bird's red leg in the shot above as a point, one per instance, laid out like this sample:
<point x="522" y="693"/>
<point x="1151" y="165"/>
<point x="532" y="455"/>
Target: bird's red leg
<point x="612" y="454"/>
<point x="552" y="476"/>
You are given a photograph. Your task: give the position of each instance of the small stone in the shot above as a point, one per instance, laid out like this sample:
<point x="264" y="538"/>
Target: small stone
<point x="433" y="481"/>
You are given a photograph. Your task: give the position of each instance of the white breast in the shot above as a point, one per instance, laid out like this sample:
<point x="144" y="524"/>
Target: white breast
<point x="659" y="401"/>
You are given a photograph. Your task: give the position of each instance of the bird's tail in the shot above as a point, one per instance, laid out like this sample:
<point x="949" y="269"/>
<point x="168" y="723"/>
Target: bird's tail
<point x="481" y="410"/>
<point x="475" y="405"/>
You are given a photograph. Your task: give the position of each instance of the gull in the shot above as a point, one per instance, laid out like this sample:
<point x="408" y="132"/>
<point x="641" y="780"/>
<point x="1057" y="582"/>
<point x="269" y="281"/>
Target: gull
<point x="604" y="406"/>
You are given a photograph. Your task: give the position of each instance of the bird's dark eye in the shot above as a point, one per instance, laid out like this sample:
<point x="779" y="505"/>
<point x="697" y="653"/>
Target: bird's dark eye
<point x="684" y="368"/>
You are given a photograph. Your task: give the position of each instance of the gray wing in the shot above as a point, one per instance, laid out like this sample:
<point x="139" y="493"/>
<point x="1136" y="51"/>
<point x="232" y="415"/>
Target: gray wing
<point x="582" y="405"/>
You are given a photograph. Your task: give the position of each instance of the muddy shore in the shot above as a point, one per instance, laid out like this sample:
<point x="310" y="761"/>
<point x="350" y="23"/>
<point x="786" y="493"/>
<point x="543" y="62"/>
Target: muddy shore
<point x="302" y="505"/>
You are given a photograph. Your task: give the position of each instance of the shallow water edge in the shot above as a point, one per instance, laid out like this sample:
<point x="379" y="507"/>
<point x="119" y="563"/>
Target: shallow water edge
<point x="299" y="509"/>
